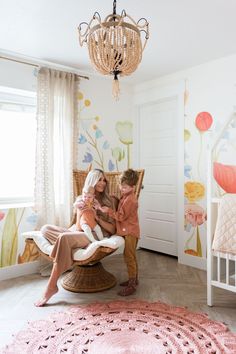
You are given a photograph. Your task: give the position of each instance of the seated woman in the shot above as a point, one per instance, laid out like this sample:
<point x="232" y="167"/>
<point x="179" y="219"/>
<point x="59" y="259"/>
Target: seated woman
<point x="66" y="240"/>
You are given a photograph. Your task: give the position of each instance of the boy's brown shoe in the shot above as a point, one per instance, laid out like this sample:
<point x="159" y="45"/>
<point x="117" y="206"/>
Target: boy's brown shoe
<point x="126" y="283"/>
<point x="129" y="289"/>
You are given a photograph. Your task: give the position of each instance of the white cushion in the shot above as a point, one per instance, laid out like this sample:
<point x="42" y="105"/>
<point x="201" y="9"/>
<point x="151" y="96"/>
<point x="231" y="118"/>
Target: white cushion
<point x="80" y="254"/>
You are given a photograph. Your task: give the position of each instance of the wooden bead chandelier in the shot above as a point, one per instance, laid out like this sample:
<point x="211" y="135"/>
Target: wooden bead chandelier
<point x="115" y="45"/>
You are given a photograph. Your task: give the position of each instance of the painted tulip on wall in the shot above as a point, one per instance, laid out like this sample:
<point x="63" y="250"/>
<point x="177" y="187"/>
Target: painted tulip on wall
<point x="9" y="237"/>
<point x="12" y="223"/>
<point x="125" y="132"/>
<point x="118" y="155"/>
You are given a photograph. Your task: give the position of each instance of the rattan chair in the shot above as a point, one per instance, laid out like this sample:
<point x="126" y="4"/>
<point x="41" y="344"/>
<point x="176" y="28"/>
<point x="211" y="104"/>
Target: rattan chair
<point x="89" y="275"/>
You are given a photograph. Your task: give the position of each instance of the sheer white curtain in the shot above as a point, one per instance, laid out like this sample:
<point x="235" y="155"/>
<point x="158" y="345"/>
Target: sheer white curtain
<point x="55" y="148"/>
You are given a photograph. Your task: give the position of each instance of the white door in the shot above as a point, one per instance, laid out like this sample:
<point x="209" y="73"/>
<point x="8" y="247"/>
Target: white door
<point x="158" y="155"/>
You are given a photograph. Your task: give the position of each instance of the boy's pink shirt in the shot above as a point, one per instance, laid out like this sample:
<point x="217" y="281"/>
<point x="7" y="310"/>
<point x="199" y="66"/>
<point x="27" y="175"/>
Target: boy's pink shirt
<point x="126" y="216"/>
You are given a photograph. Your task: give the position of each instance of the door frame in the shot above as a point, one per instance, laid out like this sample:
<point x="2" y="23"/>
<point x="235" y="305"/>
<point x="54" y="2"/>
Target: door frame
<point x="151" y="93"/>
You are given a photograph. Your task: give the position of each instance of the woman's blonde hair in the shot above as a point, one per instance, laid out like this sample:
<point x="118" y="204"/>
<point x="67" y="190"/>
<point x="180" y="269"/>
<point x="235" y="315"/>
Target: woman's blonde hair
<point x="92" y="179"/>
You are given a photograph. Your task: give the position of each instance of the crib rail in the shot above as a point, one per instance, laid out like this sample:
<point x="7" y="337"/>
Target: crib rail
<point x="224" y="271"/>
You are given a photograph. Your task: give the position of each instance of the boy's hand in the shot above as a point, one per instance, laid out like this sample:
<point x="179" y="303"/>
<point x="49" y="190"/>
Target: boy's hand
<point x="104" y="209"/>
<point x="96" y="205"/>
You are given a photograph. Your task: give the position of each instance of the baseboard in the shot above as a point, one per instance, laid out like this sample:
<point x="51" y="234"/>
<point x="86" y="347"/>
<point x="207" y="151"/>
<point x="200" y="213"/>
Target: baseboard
<point x="18" y="270"/>
<point x="195" y="262"/>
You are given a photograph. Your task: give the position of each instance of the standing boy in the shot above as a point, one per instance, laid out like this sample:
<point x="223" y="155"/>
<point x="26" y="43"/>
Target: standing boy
<point x="127" y="225"/>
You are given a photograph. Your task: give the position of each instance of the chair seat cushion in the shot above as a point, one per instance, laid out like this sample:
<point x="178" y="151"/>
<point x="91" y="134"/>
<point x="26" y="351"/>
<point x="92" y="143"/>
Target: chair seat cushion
<point x="81" y="254"/>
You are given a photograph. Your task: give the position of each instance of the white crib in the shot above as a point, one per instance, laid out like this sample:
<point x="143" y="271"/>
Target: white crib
<point x="221" y="266"/>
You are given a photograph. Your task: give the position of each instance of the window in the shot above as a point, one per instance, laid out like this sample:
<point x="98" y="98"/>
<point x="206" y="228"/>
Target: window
<point x="17" y="145"/>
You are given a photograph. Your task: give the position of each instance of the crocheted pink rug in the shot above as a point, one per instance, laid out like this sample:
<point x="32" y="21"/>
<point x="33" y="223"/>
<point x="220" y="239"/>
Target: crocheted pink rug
<point x="124" y="327"/>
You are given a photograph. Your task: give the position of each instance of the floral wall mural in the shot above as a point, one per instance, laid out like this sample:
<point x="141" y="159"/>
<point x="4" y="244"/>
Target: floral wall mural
<point x="195" y="175"/>
<point x="194" y="188"/>
<point x="108" y="151"/>
<point x="208" y="103"/>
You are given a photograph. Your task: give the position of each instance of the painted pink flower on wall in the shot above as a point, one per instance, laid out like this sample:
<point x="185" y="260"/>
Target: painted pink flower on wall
<point x="194" y="214"/>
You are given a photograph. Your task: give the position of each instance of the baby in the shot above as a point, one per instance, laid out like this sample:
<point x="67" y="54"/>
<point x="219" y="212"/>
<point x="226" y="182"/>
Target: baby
<point x="86" y="213"/>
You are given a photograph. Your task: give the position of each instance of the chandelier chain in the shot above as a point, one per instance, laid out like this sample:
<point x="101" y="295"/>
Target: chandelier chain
<point x="114" y="7"/>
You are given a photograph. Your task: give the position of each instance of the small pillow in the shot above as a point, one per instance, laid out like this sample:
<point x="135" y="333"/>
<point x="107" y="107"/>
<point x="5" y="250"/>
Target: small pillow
<point x="225" y="176"/>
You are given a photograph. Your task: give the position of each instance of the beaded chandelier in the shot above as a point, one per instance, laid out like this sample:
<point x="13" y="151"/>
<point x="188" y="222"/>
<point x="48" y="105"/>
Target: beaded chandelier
<point x="115" y="45"/>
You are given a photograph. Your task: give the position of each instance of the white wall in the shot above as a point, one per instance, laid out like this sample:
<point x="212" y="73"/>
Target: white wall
<point x="211" y="87"/>
<point x="17" y="75"/>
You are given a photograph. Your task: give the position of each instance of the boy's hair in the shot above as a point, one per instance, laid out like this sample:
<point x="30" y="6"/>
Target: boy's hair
<point x="129" y="177"/>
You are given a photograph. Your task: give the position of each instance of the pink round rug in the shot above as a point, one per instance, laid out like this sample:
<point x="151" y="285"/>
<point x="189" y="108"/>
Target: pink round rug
<point x="124" y="327"/>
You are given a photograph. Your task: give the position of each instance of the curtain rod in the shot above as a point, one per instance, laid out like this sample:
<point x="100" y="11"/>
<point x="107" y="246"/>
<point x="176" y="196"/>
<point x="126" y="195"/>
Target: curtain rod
<point x="36" y="65"/>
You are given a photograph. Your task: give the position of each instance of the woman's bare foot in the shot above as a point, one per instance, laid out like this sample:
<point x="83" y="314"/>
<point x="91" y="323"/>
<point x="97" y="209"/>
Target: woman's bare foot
<point x="48" y="294"/>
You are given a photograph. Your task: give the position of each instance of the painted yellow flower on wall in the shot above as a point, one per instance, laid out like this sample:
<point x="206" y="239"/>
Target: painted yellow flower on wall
<point x="187" y="135"/>
<point x="194" y="191"/>
<point x="80" y="96"/>
<point x="87" y="103"/>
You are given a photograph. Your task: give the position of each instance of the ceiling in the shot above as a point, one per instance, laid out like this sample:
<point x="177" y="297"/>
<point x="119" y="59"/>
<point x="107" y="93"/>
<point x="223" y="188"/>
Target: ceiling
<point x="183" y="33"/>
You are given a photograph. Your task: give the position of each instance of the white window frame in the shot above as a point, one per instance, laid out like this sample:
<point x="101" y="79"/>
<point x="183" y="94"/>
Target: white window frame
<point x="20" y="97"/>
